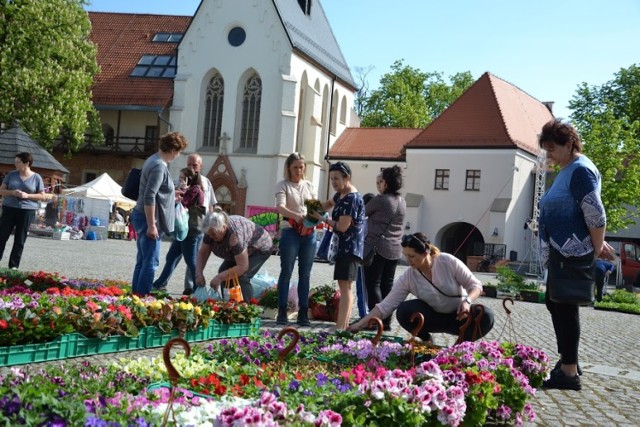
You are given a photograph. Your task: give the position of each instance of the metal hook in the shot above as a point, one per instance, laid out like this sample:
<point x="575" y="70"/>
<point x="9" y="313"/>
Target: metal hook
<point x="375" y="321"/>
<point x="282" y="354"/>
<point x="504" y="305"/>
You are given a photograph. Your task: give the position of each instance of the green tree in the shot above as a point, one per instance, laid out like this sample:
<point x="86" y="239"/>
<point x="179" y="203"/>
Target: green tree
<point x="410" y="98"/>
<point x="608" y="119"/>
<point x="47" y="67"/>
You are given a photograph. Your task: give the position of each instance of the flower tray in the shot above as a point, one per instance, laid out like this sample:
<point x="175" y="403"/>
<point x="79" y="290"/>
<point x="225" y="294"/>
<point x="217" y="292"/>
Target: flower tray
<point x="30" y="353"/>
<point x="236" y="330"/>
<point x="79" y="345"/>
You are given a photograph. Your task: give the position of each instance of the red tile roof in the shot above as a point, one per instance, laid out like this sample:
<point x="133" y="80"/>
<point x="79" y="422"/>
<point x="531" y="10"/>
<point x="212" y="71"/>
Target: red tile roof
<point x="372" y="143"/>
<point x="122" y="39"/>
<point x="492" y="113"/>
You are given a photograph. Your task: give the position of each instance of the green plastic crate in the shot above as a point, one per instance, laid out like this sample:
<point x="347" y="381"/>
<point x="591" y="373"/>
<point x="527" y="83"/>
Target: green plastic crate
<point x="236" y="330"/>
<point x="30" y="353"/>
<point x="156" y="338"/>
<point x="79" y="345"/>
<point x="201" y="334"/>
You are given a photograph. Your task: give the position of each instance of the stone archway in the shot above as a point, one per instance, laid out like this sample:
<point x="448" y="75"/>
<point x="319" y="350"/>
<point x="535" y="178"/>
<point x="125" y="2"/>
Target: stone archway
<point x="230" y="193"/>
<point x="459" y="239"/>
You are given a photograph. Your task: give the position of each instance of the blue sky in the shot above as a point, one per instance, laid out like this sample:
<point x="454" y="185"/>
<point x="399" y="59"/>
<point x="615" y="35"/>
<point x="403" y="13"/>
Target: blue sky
<point x="545" y="47"/>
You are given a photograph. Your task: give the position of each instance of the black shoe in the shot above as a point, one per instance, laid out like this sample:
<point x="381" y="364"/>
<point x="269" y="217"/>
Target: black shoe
<point x="386" y="328"/>
<point x="187" y="292"/>
<point x="282" y="318"/>
<point x="559" y="380"/>
<point x="303" y="318"/>
<point x="559" y="363"/>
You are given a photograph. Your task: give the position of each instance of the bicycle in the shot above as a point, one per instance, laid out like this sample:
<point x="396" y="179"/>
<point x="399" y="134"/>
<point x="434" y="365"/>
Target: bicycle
<point x="488" y="261"/>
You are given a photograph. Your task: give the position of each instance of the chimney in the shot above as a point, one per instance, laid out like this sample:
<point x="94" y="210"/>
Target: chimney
<point x="549" y="105"/>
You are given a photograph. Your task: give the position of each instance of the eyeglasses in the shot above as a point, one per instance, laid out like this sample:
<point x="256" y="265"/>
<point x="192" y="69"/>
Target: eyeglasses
<point x="418" y="244"/>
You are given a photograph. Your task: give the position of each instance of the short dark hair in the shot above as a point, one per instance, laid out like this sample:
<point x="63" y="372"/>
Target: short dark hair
<point x="393" y="178"/>
<point x="341" y="167"/>
<point x="193" y="177"/>
<point x="561" y="133"/>
<point x="25" y="158"/>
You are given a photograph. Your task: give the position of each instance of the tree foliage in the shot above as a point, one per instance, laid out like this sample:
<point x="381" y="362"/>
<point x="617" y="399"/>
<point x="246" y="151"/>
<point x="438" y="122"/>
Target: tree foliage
<point x="47" y="67"/>
<point x="410" y="98"/>
<point x="608" y="119"/>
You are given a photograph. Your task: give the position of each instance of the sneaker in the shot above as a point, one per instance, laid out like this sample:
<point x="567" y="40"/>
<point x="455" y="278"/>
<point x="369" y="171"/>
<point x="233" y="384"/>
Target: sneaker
<point x="282" y="318"/>
<point x="559" y="363"/>
<point x="559" y="380"/>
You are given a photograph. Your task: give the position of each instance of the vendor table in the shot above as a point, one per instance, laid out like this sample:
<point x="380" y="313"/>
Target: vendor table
<point x="118" y="230"/>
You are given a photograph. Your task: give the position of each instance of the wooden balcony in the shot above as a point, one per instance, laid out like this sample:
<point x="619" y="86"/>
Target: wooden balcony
<point x="123" y="145"/>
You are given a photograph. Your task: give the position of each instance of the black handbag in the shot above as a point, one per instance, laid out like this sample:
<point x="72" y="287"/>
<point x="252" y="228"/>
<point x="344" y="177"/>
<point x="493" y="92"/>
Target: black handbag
<point x="196" y="217"/>
<point x="368" y="254"/>
<point x="571" y="280"/>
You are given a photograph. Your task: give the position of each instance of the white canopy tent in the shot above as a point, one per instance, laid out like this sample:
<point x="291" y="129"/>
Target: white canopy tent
<point x="103" y="188"/>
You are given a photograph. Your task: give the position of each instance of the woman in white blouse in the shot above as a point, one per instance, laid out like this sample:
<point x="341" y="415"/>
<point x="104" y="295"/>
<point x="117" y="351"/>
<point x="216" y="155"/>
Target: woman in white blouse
<point x="445" y="291"/>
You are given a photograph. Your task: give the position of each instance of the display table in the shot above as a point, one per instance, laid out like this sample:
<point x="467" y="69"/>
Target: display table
<point x="118" y="230"/>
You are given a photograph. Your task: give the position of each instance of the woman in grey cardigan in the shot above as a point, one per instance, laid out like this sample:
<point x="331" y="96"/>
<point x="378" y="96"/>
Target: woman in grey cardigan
<point x="385" y="224"/>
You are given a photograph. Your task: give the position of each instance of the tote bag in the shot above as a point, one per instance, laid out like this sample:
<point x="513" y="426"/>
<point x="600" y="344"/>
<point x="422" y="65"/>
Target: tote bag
<point x="329" y="247"/>
<point x="196" y="217"/>
<point x="232" y="285"/>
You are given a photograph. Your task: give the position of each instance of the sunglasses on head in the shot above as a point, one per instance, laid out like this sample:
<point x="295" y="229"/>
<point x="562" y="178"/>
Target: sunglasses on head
<point x="414" y="242"/>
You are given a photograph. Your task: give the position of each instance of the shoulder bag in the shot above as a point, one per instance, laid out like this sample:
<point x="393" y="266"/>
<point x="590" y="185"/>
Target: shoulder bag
<point x="437" y="288"/>
<point x="196" y="217"/>
<point x="571" y="280"/>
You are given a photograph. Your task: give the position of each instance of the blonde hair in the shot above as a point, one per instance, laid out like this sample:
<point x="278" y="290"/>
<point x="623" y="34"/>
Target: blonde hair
<point x="292" y="158"/>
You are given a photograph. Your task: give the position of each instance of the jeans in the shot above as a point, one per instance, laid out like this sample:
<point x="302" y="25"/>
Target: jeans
<point x="20" y="219"/>
<point x="147" y="258"/>
<point x="292" y="246"/>
<point x="189" y="279"/>
<point x="361" y="293"/>
<point x="378" y="278"/>
<point x="441" y="322"/>
<point x="255" y="263"/>
<point x="187" y="248"/>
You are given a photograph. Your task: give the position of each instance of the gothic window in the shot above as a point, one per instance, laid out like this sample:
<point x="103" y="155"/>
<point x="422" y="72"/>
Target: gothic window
<point x="334" y="113"/>
<point x="214" y="98"/>
<point x="343" y="111"/>
<point x="250" y="125"/>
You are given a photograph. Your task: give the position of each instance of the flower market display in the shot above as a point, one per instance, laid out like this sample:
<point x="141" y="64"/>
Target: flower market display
<point x="320" y="380"/>
<point x="307" y="379"/>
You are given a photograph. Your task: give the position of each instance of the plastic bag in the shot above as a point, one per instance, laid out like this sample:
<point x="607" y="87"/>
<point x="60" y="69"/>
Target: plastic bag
<point x="181" y="226"/>
<point x="292" y="300"/>
<point x="262" y="281"/>
<point x="204" y="293"/>
<point x="329" y="247"/>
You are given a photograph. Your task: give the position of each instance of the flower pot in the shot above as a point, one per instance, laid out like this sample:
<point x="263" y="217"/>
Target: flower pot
<point x="324" y="312"/>
<point x="532" y="296"/>
<point x="490" y="291"/>
<point x="269" y="313"/>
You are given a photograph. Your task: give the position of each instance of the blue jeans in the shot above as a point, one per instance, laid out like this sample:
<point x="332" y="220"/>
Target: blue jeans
<point x="361" y="293"/>
<point x="148" y="257"/>
<point x="187" y="248"/>
<point x="293" y="246"/>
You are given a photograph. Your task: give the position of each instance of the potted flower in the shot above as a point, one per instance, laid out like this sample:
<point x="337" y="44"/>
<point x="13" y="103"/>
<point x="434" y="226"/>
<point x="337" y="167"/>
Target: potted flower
<point x="324" y="303"/>
<point x="269" y="301"/>
<point x="509" y="282"/>
<point x="531" y="292"/>
<point x="490" y="290"/>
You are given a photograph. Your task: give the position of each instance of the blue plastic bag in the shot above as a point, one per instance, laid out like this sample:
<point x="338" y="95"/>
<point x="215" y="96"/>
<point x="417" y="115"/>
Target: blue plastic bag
<point x="328" y="248"/>
<point x="181" y="226"/>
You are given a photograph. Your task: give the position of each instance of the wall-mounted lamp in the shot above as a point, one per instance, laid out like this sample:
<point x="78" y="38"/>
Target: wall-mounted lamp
<point x="495" y="231"/>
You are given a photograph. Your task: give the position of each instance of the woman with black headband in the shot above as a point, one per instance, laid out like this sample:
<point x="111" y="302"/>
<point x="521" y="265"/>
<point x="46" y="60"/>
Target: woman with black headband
<point x="445" y="291"/>
<point x="347" y="220"/>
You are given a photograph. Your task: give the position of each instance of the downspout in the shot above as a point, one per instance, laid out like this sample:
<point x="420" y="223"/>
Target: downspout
<point x="169" y="125"/>
<point x="326" y="157"/>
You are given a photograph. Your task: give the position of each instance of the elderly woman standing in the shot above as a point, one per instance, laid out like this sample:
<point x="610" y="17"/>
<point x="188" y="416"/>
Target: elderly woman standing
<point x="296" y="240"/>
<point x="347" y="220"/>
<point x="572" y="228"/>
<point x="154" y="213"/>
<point x="21" y="189"/>
<point x="239" y="242"/>
<point x="385" y="224"/>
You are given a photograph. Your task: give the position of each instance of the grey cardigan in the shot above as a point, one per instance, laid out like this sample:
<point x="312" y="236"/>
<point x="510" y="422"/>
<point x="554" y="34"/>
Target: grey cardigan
<point x="157" y="189"/>
<point x="385" y="224"/>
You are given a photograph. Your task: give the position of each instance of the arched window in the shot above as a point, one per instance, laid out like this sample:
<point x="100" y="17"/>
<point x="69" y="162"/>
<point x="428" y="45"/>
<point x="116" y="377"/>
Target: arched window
<point x="343" y="111"/>
<point x="214" y="99"/>
<point x="250" y="125"/>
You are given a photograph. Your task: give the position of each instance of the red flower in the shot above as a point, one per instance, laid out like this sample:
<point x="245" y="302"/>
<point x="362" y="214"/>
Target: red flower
<point x="3" y="324"/>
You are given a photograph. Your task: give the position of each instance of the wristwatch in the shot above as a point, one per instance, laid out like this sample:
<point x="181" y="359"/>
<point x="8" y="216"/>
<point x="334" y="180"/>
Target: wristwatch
<point x="468" y="300"/>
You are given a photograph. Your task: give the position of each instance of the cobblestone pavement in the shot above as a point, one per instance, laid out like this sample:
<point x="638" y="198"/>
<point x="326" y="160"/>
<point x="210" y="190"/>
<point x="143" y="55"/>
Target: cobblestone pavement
<point x="609" y="351"/>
